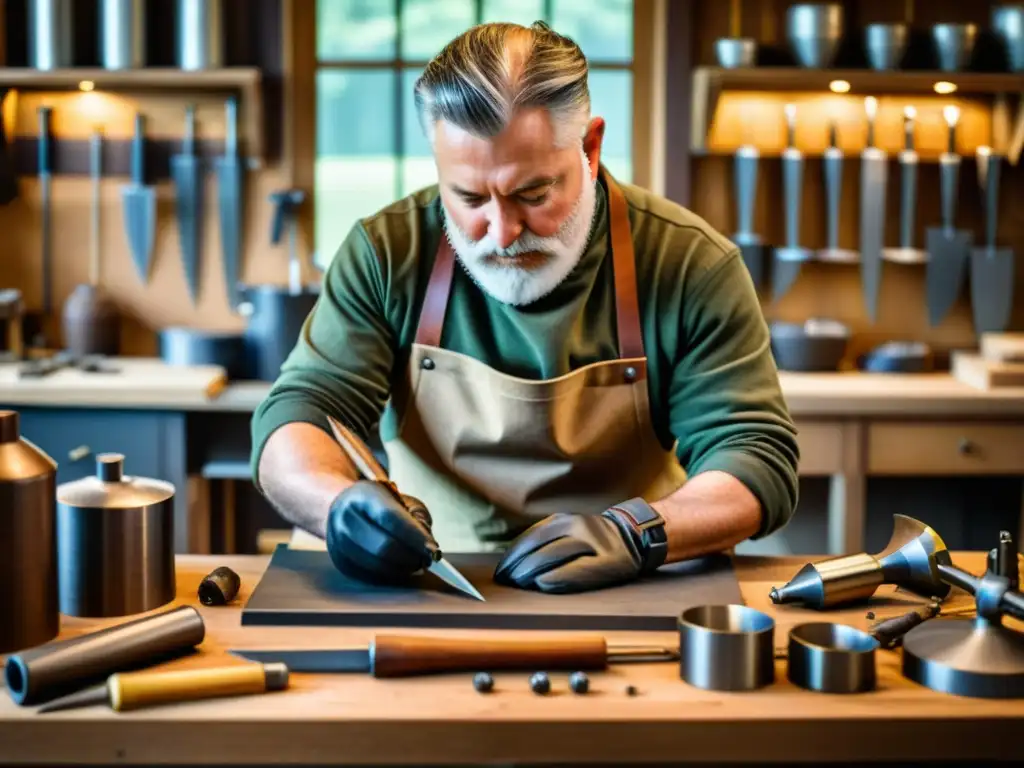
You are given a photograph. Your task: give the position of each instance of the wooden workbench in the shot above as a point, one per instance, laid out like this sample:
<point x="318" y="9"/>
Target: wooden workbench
<point x="355" y="719"/>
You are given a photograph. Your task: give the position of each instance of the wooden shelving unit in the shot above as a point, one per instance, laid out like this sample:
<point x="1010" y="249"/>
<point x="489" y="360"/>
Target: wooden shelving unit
<point x="710" y="83"/>
<point x="245" y="82"/>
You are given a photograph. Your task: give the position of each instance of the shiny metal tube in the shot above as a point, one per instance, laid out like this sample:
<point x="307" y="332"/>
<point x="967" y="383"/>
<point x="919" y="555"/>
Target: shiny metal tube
<point x="831" y="658"/>
<point x="28" y="546"/>
<point x="123" y="34"/>
<point x="200" y="37"/>
<point x="726" y="648"/>
<point x="50" y="34"/>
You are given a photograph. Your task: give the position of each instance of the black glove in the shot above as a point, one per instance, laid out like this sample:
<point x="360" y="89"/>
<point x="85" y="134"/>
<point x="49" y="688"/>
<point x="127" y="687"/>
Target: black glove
<point x="575" y="553"/>
<point x="374" y="536"/>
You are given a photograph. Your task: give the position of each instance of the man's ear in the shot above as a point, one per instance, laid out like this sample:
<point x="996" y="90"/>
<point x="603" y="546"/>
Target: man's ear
<point x="592" y="140"/>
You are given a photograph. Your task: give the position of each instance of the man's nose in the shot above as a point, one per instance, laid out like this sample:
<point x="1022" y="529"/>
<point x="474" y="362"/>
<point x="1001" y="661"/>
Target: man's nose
<point x="504" y="229"/>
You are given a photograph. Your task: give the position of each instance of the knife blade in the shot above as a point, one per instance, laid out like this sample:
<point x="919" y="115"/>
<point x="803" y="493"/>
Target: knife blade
<point x="188" y="189"/>
<point x="230" y="184"/>
<point x="360" y="455"/>
<point x="412" y="655"/>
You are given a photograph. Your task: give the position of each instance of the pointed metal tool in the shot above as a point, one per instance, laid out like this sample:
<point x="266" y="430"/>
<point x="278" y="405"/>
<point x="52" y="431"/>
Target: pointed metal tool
<point x="790" y="259"/>
<point x="832" y="169"/>
<point x="229" y="200"/>
<point x="188" y="188"/>
<point x="873" y="176"/>
<point x="751" y="247"/>
<point x="905" y="252"/>
<point x="992" y="268"/>
<point x="370" y="468"/>
<point x="948" y="248"/>
<point x="139" y="203"/>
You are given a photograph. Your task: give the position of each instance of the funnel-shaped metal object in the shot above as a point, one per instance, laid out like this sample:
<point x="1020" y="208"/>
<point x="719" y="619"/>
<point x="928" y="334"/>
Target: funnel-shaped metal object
<point x="954" y="45"/>
<point x="814" y="31"/>
<point x="974" y="657"/>
<point x="885" y="45"/>
<point x="911" y="561"/>
<point x="1008" y="26"/>
<point x="734" y="52"/>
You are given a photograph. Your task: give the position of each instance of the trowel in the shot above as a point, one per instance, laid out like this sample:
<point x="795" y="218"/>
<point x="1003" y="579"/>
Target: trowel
<point x="789" y="259"/>
<point x="832" y="167"/>
<point x="905" y="252"/>
<point x="948" y="248"/>
<point x="750" y="245"/>
<point x="873" y="177"/>
<point x="992" y="268"/>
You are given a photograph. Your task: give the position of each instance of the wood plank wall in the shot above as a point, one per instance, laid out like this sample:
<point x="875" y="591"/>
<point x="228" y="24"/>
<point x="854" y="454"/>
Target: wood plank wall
<point x="259" y="40"/>
<point x="705" y="183"/>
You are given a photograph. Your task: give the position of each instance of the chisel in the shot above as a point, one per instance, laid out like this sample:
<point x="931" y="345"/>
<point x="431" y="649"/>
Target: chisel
<point x="188" y="188"/>
<point x="413" y="655"/>
<point x="905" y="252"/>
<point x="789" y="259"/>
<point x="832" y="169"/>
<point x="872" y="212"/>
<point x="751" y="247"/>
<point x="229" y="199"/>
<point x="360" y="455"/>
<point x="126" y="691"/>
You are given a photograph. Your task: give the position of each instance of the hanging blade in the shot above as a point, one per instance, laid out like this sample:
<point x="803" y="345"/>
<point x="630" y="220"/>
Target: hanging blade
<point x="188" y="187"/>
<point x="139" y="203"/>
<point x="368" y="466"/>
<point x="229" y="200"/>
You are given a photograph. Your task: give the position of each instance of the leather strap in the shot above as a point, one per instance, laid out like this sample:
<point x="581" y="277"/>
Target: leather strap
<point x="627" y="309"/>
<point x="435" y="302"/>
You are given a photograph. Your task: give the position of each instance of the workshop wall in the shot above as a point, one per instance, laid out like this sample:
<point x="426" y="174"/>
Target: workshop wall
<point x="834" y="290"/>
<point x="255" y="39"/>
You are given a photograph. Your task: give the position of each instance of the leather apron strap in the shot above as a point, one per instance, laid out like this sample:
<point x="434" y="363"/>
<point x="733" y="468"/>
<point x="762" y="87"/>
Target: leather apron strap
<point x="627" y="309"/>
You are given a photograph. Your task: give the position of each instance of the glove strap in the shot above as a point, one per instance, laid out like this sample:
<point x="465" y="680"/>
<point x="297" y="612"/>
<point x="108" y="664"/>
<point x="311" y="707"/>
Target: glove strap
<point x="646" y="527"/>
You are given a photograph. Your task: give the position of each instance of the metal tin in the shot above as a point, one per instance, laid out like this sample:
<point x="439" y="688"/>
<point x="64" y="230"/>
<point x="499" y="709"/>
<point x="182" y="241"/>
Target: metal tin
<point x="50" y="34"/>
<point x="274" y="321"/>
<point x="123" y="34"/>
<point x="726" y="647"/>
<point x="115" y="537"/>
<point x="192" y="346"/>
<point x="200" y="34"/>
<point x="29" y="612"/>
<point x="831" y="658"/>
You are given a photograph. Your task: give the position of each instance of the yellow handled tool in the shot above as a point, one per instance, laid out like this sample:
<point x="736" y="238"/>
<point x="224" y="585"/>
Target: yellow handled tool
<point x="133" y="690"/>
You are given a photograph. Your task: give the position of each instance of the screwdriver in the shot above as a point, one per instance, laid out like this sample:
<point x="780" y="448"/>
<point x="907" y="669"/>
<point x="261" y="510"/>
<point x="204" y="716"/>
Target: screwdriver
<point x="134" y="690"/>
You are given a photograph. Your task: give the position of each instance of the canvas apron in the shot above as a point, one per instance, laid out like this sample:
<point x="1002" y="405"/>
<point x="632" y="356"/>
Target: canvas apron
<point x="490" y="454"/>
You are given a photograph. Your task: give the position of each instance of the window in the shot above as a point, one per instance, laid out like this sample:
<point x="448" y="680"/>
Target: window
<point x="370" y="150"/>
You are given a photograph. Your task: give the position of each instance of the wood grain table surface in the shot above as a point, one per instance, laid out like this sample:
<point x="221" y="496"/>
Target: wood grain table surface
<point x="354" y="719"/>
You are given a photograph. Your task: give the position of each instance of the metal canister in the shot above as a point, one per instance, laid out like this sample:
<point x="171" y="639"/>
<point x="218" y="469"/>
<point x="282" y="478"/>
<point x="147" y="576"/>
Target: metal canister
<point x="123" y="34"/>
<point x="115" y="542"/>
<point x="200" y="38"/>
<point x="50" y="34"/>
<point x="29" y="611"/>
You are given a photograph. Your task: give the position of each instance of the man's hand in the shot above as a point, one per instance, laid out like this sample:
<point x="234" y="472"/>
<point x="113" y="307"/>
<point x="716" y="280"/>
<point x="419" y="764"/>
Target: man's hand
<point x="575" y="553"/>
<point x="374" y="537"/>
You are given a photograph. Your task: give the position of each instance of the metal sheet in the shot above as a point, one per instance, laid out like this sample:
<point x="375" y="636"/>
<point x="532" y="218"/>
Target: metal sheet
<point x="303" y="588"/>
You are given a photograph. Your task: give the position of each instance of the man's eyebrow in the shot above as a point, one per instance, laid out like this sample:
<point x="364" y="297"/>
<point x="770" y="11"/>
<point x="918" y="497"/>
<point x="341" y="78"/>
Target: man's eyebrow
<point x="534" y="183"/>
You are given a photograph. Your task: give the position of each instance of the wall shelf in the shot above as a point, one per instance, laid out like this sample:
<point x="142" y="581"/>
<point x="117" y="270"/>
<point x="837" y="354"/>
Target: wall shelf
<point x="764" y="89"/>
<point x="245" y="82"/>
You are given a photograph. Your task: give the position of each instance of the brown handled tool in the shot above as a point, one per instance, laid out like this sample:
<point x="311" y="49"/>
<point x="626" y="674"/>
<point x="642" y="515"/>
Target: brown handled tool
<point x="411" y="655"/>
<point x="135" y="690"/>
<point x="889" y="632"/>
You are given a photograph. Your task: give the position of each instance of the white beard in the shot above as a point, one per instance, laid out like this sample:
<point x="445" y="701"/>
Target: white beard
<point x="514" y="285"/>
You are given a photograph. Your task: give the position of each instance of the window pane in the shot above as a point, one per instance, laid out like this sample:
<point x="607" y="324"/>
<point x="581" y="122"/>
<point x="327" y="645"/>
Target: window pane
<point x="602" y="28"/>
<point x="523" y="12"/>
<point x="428" y="25"/>
<point x="611" y="97"/>
<point x="355" y="29"/>
<point x="418" y="168"/>
<point x="356" y="168"/>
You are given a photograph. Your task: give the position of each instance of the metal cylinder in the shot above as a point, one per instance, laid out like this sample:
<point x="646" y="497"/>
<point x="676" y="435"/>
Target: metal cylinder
<point x="123" y="34"/>
<point x="29" y="613"/>
<point x="726" y="647"/>
<point x="274" y="323"/>
<point x="200" y="37"/>
<point x="50" y="34"/>
<point x="831" y="658"/>
<point x="115" y="537"/>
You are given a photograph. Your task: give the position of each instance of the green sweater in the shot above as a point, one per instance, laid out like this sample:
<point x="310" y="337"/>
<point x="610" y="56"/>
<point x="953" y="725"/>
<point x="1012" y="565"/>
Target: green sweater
<point x="712" y="379"/>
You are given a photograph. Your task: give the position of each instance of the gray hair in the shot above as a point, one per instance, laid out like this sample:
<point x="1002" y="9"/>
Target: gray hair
<point x="482" y="77"/>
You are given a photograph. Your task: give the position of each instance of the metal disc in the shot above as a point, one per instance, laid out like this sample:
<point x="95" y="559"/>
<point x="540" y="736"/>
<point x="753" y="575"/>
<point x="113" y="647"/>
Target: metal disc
<point x="966" y="657"/>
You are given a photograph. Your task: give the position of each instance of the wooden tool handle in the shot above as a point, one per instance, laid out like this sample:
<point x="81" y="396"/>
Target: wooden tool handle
<point x="140" y="689"/>
<point x="401" y="656"/>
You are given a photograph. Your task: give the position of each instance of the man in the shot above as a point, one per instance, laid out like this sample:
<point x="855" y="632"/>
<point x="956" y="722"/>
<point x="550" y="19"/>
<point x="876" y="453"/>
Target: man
<point x="571" y="370"/>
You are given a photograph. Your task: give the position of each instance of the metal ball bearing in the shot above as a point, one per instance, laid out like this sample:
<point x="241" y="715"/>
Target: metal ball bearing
<point x="540" y="683"/>
<point x="483" y="682"/>
<point x="579" y="682"/>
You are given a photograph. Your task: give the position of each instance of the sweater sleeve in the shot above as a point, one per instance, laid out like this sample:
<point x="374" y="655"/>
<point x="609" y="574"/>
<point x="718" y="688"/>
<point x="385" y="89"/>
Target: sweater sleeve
<point x="726" y="405"/>
<point x="341" y="364"/>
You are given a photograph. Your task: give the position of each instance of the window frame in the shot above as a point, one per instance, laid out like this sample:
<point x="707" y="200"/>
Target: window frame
<point x="299" y="30"/>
